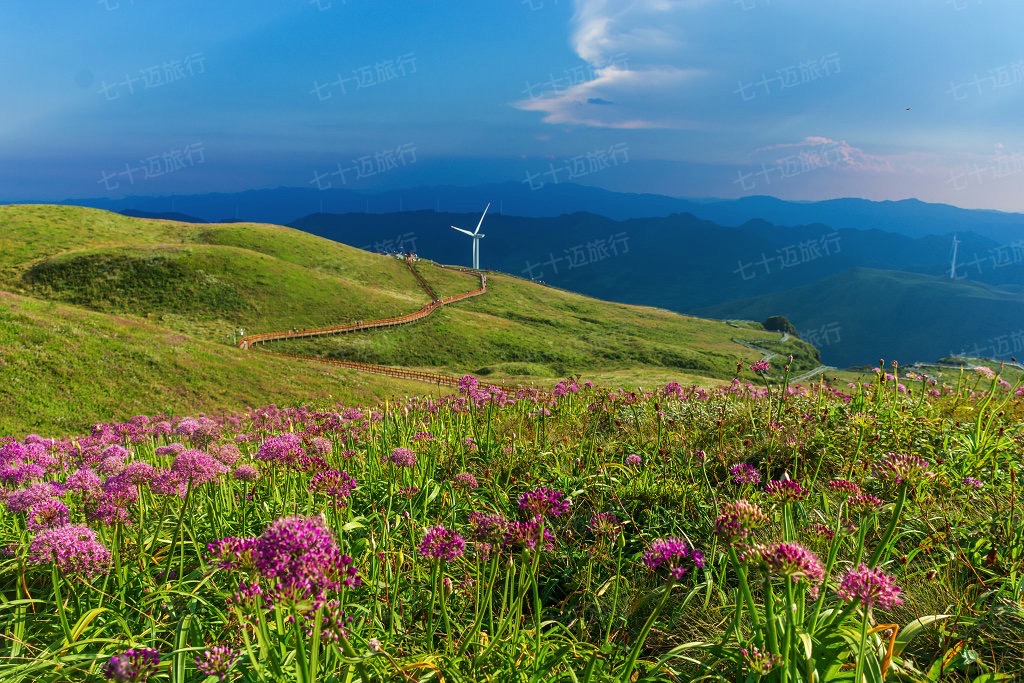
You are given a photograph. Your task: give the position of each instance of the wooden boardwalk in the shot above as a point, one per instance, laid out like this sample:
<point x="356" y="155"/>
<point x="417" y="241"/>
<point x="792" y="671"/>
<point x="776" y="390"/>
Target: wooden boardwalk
<point x="251" y="340"/>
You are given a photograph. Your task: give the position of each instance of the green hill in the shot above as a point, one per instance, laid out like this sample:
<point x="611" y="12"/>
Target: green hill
<point x="865" y="314"/>
<point x="108" y="316"/>
<point x="520" y="327"/>
<point x="63" y="368"/>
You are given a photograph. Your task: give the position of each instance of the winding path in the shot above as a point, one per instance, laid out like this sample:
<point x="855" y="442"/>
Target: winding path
<point x="250" y="340"/>
<point x="769" y="354"/>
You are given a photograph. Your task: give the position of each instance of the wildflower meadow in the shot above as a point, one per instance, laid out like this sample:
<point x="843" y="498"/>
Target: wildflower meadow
<point x="752" y="532"/>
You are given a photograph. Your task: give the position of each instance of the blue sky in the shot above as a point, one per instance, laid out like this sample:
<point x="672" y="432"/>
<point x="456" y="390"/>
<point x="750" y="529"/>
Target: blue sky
<point x="801" y="99"/>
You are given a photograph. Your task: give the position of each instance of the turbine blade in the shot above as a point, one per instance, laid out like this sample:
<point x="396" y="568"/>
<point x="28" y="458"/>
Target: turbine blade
<point x="467" y="232"/>
<point x="482" y="218"/>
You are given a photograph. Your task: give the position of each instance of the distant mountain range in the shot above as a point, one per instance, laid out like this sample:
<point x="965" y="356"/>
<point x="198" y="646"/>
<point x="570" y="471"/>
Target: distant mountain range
<point x="908" y="217"/>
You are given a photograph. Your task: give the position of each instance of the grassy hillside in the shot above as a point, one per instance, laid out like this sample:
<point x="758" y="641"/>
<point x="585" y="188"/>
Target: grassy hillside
<point x="521" y="328"/>
<point x="64" y="368"/>
<point x="869" y="314"/>
<point x="113" y="316"/>
<point x="200" y="279"/>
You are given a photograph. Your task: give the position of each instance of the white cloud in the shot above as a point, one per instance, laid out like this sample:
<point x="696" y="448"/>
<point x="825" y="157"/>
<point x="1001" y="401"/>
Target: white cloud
<point x="634" y="50"/>
<point x="825" y="151"/>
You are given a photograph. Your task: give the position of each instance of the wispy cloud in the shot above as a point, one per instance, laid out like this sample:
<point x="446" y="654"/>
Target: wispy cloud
<point x="841" y="154"/>
<point x="647" y="87"/>
<point x="630" y="90"/>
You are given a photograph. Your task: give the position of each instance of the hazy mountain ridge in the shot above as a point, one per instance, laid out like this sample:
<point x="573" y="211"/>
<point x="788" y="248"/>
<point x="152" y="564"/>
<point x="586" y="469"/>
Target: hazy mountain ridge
<point x="285" y="205"/>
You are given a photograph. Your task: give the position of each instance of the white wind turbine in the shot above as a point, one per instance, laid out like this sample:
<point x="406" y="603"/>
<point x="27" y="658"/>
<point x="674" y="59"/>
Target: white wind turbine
<point x="476" y="238"/>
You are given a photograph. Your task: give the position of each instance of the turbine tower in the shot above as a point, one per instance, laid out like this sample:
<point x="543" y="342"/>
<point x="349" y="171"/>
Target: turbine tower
<point x="476" y="238"/>
<point x="952" y="267"/>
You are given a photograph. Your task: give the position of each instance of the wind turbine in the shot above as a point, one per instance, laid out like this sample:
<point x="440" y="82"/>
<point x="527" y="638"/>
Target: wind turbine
<point x="476" y="238"/>
<point x="952" y="267"/>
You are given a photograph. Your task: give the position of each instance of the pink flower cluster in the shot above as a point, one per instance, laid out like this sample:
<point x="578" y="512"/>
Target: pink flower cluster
<point x="673" y="554"/>
<point x="872" y="587"/>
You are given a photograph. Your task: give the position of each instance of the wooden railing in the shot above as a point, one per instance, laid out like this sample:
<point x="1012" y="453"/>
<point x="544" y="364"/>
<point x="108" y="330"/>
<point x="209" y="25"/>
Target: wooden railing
<point x="423" y="283"/>
<point x="249" y="340"/>
<point x="389" y="370"/>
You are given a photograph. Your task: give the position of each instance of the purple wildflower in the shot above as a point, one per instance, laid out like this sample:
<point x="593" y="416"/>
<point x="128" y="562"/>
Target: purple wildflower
<point x="217" y="661"/>
<point x="170" y="449"/>
<point x="232" y="552"/>
<point x="440" y="543"/>
<point x="333" y="623"/>
<point x="985" y="372"/>
<point x="898" y="468"/>
<point x="20" y="500"/>
<point x="465" y="481"/>
<point x="50" y="513"/>
<point x="761" y="662"/>
<point x="402" y="457"/>
<point x="284" y="448"/>
<point x="168" y="483"/>
<point x="302" y="558"/>
<point x="545" y="502"/>
<point x="83" y="481"/>
<point x="112" y="505"/>
<point x="565" y="387"/>
<point x="527" y="535"/>
<point x="248" y="595"/>
<point x="604" y="524"/>
<point x="872" y="587"/>
<point x="487" y="528"/>
<point x="821" y="531"/>
<point x="760" y="367"/>
<point x="634" y="460"/>
<point x="198" y="430"/>
<point x="23" y="463"/>
<point x="227" y="454"/>
<point x="864" y="503"/>
<point x="318" y="445"/>
<point x="971" y="482"/>
<point x="675" y="554"/>
<point x="73" y="549"/>
<point x="745" y="474"/>
<point x="19" y="472"/>
<point x="467" y="383"/>
<point x="791" y="560"/>
<point x="110" y="465"/>
<point x="737" y="520"/>
<point x="138" y="473"/>
<point x="246" y="473"/>
<point x="785" y="491"/>
<point x="844" y="487"/>
<point x="133" y="666"/>
<point x="337" y="486"/>
<point x="197" y="467"/>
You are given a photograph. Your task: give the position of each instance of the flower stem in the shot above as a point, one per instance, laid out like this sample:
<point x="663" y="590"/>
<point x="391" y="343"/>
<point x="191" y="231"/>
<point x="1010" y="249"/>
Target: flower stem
<point x="648" y="625"/>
